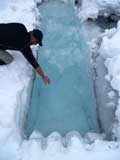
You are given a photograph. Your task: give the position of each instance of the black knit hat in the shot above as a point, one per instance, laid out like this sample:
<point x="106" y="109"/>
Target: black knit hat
<point x="38" y="35"/>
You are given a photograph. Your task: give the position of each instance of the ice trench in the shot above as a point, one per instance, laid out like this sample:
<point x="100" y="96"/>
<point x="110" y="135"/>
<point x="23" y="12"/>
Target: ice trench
<point x="68" y="103"/>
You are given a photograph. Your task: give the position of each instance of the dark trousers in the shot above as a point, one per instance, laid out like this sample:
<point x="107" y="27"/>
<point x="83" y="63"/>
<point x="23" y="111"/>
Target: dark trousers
<point x="2" y="63"/>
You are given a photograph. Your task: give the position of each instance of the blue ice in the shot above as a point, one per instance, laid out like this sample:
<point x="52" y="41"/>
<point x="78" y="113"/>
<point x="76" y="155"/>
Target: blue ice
<point x="68" y="103"/>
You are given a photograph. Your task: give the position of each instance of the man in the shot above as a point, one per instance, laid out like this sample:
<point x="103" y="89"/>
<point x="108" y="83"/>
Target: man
<point x="14" y="36"/>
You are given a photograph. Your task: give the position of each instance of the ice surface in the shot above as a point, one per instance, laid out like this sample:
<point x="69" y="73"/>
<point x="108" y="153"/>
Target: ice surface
<point x="68" y="103"/>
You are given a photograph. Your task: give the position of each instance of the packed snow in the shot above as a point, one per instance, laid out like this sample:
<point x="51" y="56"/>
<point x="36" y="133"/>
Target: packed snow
<point x="94" y="8"/>
<point x="15" y="86"/>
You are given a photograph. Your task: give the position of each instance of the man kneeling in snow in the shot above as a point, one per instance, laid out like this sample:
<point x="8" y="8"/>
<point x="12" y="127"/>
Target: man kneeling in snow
<point x="14" y="36"/>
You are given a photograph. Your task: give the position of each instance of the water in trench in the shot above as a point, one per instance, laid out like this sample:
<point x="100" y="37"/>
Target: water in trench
<point x="68" y="103"/>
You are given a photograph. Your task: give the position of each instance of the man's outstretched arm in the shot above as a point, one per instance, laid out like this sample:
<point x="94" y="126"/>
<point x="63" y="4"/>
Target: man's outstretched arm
<point x="27" y="52"/>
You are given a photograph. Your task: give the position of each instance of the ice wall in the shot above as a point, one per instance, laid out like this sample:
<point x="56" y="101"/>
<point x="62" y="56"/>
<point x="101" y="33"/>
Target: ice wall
<point x="65" y="1"/>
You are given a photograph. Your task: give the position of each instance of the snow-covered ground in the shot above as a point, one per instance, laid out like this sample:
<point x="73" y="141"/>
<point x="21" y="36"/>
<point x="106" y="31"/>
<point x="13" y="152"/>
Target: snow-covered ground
<point x="15" y="82"/>
<point x="93" y="8"/>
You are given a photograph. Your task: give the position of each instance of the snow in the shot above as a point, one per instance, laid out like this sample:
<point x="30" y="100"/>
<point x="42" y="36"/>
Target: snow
<point x="93" y="8"/>
<point x="15" y="82"/>
<point x="110" y="50"/>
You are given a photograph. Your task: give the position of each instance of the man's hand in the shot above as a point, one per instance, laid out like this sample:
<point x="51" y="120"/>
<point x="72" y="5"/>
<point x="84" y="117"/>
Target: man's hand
<point x="46" y="80"/>
<point x="41" y="73"/>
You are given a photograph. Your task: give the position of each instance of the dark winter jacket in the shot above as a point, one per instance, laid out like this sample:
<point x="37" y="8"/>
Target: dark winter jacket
<point x="14" y="36"/>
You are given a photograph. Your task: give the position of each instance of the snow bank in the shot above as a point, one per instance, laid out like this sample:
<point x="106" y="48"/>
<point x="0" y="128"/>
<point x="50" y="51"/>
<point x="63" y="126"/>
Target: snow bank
<point x="110" y="50"/>
<point x="15" y="81"/>
<point x="93" y="8"/>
